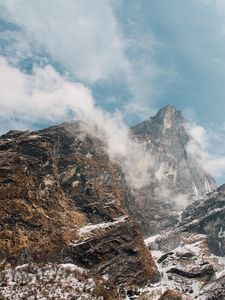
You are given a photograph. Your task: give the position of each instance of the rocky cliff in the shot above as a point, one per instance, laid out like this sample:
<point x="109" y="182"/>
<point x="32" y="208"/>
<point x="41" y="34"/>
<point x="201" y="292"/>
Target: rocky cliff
<point x="63" y="202"/>
<point x="191" y="257"/>
<point x="175" y="178"/>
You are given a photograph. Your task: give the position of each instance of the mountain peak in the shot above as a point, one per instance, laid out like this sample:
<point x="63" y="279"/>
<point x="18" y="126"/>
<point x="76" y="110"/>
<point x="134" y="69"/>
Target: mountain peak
<point x="169" y="115"/>
<point x="168" y="108"/>
<point x="166" y="118"/>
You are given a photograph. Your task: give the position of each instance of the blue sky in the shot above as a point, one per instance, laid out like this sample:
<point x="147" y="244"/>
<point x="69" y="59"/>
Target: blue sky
<point x="133" y="56"/>
<point x="152" y="52"/>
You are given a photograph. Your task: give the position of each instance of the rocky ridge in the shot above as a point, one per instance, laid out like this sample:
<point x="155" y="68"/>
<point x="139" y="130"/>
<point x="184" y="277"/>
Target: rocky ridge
<point x="63" y="201"/>
<point x="175" y="178"/>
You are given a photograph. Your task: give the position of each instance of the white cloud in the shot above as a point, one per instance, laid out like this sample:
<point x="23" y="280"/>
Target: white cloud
<point x="82" y="35"/>
<point x="43" y="95"/>
<point x="199" y="149"/>
<point x="47" y="96"/>
<point x="199" y="134"/>
<point x="87" y="39"/>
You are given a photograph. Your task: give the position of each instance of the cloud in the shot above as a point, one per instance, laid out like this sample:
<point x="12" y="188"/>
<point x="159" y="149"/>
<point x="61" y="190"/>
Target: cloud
<point x="46" y="96"/>
<point x="89" y="41"/>
<point x="82" y="35"/>
<point x="199" y="135"/>
<point x="200" y="149"/>
<point x="42" y="96"/>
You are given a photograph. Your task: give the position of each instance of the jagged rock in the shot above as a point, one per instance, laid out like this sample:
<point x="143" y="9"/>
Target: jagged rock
<point x="188" y="268"/>
<point x="175" y="178"/>
<point x="164" y="256"/>
<point x="190" y="257"/>
<point x="53" y="183"/>
<point x="208" y="217"/>
<point x="173" y="295"/>
<point x="103" y="249"/>
<point x="203" y="271"/>
<point x="214" y="290"/>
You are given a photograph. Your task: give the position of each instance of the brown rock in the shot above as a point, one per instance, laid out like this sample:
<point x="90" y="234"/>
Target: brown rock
<point x="54" y="182"/>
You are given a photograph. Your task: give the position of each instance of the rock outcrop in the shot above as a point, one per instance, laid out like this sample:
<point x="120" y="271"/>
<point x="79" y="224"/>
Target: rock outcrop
<point x="63" y="201"/>
<point x="207" y="217"/>
<point x="191" y="256"/>
<point x="175" y="178"/>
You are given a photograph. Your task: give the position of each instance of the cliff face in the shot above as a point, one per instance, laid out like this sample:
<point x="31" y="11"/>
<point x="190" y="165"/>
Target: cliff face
<point x="207" y="217"/>
<point x="191" y="257"/>
<point x="175" y="178"/>
<point x="166" y="137"/>
<point x="62" y="201"/>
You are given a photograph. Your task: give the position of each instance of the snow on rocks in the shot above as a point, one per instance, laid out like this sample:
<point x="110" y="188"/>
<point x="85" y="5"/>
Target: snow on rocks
<point x="188" y="268"/>
<point x="42" y="282"/>
<point x="90" y="228"/>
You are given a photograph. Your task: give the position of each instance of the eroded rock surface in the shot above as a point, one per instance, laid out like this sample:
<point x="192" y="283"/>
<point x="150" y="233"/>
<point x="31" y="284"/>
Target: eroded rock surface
<point x="62" y="200"/>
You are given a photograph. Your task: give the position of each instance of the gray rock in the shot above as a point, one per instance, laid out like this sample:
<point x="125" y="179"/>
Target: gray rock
<point x="175" y="179"/>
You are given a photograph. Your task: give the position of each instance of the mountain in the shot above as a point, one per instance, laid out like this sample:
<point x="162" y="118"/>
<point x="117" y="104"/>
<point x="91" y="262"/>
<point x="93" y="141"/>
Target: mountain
<point x="63" y="214"/>
<point x="71" y="227"/>
<point x="175" y="177"/>
<point x="166" y="137"/>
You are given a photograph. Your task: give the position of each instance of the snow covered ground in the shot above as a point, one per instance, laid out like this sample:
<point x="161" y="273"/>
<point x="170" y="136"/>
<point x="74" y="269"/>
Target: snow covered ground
<point x="33" y="282"/>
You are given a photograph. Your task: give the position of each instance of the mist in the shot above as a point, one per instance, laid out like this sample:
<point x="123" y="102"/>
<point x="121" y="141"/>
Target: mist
<point x="198" y="149"/>
<point x="48" y="97"/>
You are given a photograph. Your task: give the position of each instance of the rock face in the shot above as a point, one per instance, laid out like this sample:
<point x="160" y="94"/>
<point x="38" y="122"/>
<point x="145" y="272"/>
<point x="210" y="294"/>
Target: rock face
<point x="191" y="257"/>
<point x="208" y="217"/>
<point x="62" y="200"/>
<point x="175" y="179"/>
<point x="204" y="221"/>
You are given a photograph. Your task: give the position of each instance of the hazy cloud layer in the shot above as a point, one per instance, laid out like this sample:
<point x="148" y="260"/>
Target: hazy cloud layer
<point x="25" y="98"/>
<point x="199" y="149"/>
<point x="87" y="39"/>
<point x="74" y="33"/>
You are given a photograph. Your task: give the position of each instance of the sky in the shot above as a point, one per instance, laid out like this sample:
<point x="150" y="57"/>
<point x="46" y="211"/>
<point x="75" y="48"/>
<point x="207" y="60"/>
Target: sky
<point x="129" y="57"/>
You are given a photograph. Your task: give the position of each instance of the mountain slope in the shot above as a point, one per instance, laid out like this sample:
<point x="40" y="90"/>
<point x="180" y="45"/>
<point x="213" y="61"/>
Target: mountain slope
<point x="191" y="257"/>
<point x="68" y="225"/>
<point x="63" y="201"/>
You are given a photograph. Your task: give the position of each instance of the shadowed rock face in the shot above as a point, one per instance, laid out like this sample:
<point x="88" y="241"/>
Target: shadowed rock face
<point x="208" y="217"/>
<point x="175" y="179"/>
<point x="62" y="200"/>
<point x="203" y="219"/>
<point x="191" y="256"/>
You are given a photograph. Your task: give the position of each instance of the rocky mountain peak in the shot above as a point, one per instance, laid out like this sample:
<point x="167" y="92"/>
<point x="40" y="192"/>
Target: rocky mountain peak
<point x="166" y="137"/>
<point x="168" y="116"/>
<point x="168" y="123"/>
<point x="175" y="178"/>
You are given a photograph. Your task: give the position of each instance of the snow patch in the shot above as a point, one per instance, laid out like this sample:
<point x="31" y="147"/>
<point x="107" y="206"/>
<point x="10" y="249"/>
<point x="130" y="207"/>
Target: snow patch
<point x="88" y="228"/>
